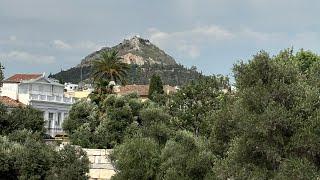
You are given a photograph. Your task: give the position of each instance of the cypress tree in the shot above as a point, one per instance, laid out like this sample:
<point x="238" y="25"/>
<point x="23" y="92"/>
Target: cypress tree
<point x="156" y="86"/>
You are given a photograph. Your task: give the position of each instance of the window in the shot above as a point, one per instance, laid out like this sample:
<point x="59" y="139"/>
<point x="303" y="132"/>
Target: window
<point x="50" y="119"/>
<point x="59" y="119"/>
<point x="51" y="116"/>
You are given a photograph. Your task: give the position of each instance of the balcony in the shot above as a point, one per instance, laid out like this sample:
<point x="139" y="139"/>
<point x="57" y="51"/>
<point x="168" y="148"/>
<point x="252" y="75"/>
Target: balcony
<point x="54" y="99"/>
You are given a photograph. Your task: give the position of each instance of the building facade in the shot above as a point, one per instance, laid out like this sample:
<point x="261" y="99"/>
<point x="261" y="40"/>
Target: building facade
<point x="73" y="90"/>
<point x="43" y="94"/>
<point x="71" y="87"/>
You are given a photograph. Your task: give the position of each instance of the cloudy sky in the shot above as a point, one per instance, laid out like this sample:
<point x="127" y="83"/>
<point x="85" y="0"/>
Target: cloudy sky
<point x="47" y="36"/>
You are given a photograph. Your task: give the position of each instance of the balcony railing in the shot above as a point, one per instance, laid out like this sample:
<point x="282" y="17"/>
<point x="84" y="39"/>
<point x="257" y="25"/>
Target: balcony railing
<point x="56" y="99"/>
<point x="54" y="131"/>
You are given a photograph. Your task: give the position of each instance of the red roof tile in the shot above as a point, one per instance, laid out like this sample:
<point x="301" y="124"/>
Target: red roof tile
<point x="8" y="102"/>
<point x="141" y="90"/>
<point x="22" y="77"/>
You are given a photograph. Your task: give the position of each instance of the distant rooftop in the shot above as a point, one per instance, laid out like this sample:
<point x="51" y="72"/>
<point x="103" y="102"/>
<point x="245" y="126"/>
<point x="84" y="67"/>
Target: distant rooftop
<point x="141" y="90"/>
<point x="10" y="103"/>
<point x="22" y="77"/>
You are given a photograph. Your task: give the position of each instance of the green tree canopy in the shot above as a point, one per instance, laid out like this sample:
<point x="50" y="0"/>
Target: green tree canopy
<point x="155" y="86"/>
<point x="21" y="118"/>
<point x="275" y="115"/>
<point x="70" y="163"/>
<point x="80" y="113"/>
<point x="266" y="128"/>
<point x="33" y="159"/>
<point x="102" y="126"/>
<point x="186" y="157"/>
<point x="193" y="102"/>
<point x="109" y="66"/>
<point x="137" y="158"/>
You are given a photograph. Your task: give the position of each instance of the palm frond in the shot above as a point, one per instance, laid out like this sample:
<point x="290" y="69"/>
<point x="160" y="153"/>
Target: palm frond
<point x="109" y="66"/>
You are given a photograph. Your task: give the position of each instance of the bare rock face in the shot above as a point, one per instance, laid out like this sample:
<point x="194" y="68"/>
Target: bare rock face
<point x="135" y="51"/>
<point x="135" y="43"/>
<point x="132" y="59"/>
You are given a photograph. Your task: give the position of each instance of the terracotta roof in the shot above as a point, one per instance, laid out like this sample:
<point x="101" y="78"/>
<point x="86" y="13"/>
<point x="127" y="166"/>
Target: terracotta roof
<point x="22" y="77"/>
<point x="8" y="102"/>
<point x="141" y="90"/>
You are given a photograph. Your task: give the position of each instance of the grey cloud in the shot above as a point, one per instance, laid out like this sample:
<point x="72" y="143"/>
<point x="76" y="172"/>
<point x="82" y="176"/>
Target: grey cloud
<point x="211" y="34"/>
<point x="26" y="57"/>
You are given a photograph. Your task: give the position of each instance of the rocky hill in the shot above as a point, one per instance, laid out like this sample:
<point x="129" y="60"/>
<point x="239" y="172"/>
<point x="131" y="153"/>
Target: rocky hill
<point x="144" y="59"/>
<point x="135" y="51"/>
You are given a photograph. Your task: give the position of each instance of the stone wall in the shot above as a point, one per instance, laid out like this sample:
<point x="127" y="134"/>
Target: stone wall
<point x="100" y="164"/>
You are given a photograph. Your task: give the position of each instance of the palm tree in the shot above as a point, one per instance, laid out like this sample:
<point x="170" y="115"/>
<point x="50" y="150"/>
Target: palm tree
<point x="109" y="67"/>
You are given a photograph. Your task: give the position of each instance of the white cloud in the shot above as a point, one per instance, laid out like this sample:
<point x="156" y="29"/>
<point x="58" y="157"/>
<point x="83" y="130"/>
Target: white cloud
<point x="309" y="40"/>
<point x="61" y="44"/>
<point x="89" y="45"/>
<point x="15" y="42"/>
<point x="190" y="50"/>
<point x="12" y="38"/>
<point x="26" y="57"/>
<point x="188" y="42"/>
<point x="213" y="31"/>
<point x="261" y="36"/>
<point x="86" y="45"/>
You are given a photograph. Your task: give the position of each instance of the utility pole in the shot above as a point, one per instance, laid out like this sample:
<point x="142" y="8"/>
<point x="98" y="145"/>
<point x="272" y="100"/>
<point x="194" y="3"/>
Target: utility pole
<point x="2" y="77"/>
<point x="81" y="75"/>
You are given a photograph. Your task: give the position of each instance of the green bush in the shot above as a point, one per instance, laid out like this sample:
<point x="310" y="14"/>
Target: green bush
<point x="137" y="158"/>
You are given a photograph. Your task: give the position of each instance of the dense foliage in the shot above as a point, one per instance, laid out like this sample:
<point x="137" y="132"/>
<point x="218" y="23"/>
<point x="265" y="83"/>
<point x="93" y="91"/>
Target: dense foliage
<point x="19" y="119"/>
<point x="267" y="127"/>
<point x="103" y="125"/>
<point x="24" y="155"/>
<point x="174" y="75"/>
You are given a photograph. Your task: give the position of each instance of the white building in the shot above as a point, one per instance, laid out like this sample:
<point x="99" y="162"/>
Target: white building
<point x="41" y="93"/>
<point x="69" y="87"/>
